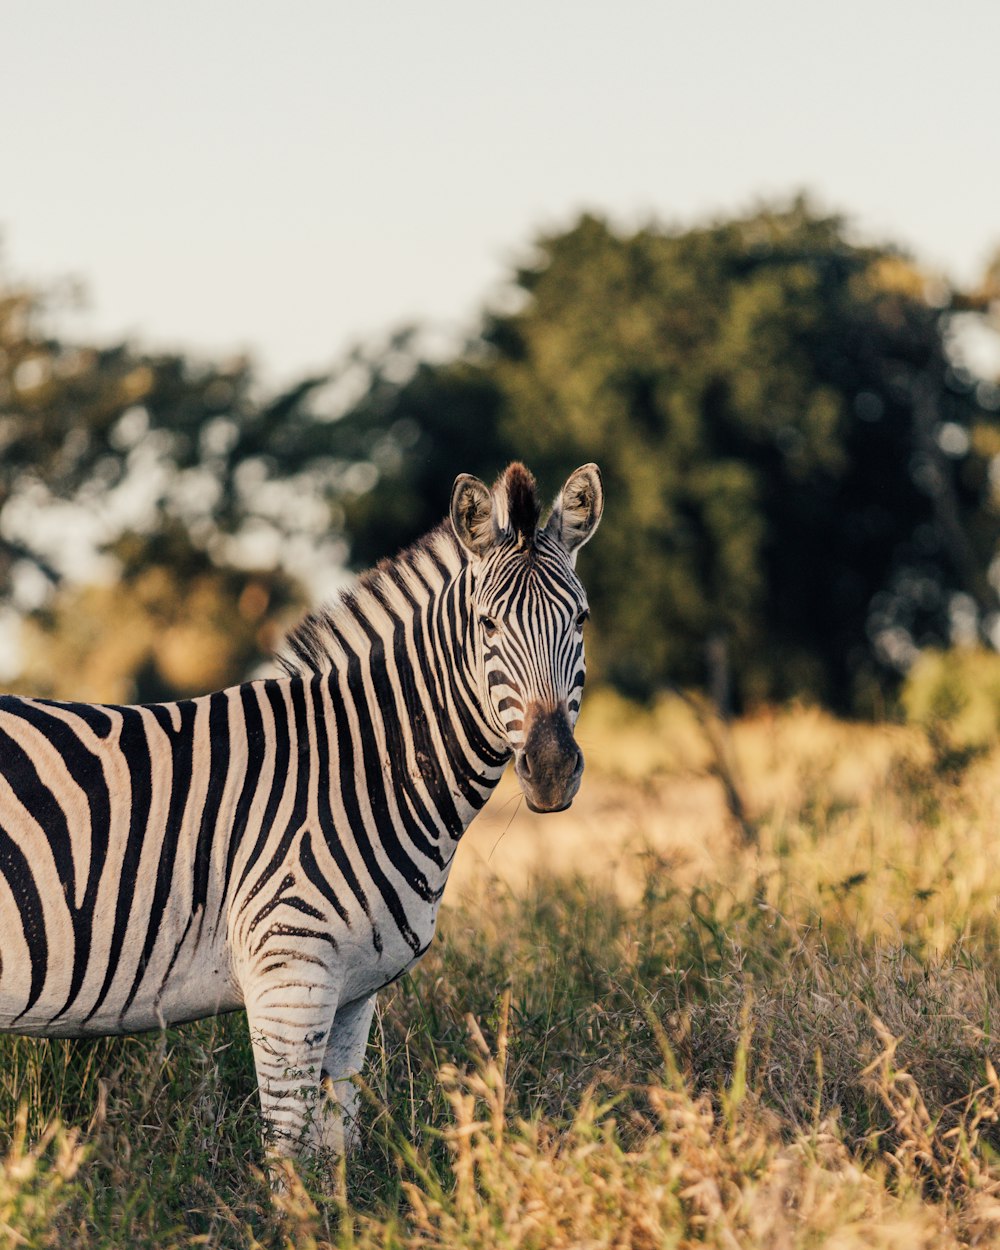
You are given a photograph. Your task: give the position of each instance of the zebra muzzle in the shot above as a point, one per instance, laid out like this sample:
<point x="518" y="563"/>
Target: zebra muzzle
<point x="550" y="764"/>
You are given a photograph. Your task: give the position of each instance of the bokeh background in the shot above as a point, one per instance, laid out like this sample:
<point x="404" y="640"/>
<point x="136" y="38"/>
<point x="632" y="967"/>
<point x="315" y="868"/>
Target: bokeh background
<point x="271" y="278"/>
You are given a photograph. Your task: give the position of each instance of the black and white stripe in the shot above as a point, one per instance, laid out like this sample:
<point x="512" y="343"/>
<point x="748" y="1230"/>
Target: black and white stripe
<point x="283" y="845"/>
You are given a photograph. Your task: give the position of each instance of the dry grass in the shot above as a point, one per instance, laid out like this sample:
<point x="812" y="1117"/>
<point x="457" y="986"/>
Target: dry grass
<point x="633" y="1030"/>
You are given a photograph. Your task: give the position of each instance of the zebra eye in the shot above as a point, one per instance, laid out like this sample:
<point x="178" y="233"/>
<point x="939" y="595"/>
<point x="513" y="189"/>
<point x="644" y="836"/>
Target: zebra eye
<point x="583" y="618"/>
<point x="489" y="625"/>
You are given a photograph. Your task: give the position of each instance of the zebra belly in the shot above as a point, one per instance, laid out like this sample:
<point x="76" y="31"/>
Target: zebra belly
<point x="48" y="990"/>
<point x="139" y="1021"/>
<point x="198" y="985"/>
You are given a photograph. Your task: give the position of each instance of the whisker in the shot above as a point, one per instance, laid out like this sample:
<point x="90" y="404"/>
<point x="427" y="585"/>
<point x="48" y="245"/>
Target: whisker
<point x="507" y="802"/>
<point x="519" y="797"/>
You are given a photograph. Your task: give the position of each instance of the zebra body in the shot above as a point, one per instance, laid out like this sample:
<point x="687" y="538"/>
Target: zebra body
<point x="175" y="878"/>
<point x="283" y="845"/>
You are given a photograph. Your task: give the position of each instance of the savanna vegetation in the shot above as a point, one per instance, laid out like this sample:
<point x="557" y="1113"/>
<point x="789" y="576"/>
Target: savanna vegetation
<point x="636" y="1028"/>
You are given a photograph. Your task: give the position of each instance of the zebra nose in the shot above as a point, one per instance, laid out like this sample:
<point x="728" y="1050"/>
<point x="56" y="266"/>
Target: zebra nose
<point x="526" y="763"/>
<point x="550" y="763"/>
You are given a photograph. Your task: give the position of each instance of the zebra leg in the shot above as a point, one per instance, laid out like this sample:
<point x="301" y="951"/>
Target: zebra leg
<point x="290" y="1024"/>
<point x="345" y="1055"/>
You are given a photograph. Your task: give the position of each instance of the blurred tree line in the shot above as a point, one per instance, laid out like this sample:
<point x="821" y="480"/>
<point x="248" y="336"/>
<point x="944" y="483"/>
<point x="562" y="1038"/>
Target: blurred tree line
<point x="803" y="479"/>
<point x="147" y="504"/>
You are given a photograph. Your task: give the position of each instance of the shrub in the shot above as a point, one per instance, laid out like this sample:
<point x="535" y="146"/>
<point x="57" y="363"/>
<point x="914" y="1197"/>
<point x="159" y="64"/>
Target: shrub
<point x="956" y="691"/>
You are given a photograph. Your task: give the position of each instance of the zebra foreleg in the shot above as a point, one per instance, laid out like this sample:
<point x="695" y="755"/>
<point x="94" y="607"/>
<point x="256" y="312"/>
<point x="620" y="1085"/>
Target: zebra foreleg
<point x="345" y="1055"/>
<point x="290" y="1025"/>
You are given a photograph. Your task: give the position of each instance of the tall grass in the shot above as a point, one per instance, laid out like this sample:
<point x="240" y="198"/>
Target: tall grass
<point x="782" y="1045"/>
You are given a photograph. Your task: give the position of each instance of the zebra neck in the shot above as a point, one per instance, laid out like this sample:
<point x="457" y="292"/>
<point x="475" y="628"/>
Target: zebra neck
<point x="398" y="648"/>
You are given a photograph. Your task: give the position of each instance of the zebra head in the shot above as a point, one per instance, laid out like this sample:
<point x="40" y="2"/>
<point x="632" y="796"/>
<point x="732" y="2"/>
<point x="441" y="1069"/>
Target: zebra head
<point x="526" y="613"/>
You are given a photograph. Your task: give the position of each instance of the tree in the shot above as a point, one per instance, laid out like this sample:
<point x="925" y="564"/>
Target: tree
<point x="170" y="484"/>
<point x="800" y="471"/>
<point x="794" y="465"/>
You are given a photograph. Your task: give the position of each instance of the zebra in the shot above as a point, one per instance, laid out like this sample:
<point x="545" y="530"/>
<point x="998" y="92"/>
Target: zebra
<point x="282" y="846"/>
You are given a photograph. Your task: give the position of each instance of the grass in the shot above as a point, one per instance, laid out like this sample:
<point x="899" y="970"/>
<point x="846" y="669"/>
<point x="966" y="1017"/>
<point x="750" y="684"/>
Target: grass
<point x="648" y="1035"/>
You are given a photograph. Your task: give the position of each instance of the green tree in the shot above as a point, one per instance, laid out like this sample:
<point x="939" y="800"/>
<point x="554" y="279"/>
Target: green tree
<point x="794" y="465"/>
<point x="798" y="468"/>
<point x="191" y="487"/>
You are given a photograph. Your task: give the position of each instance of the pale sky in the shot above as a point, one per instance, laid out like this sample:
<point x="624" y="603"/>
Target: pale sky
<point x="292" y="178"/>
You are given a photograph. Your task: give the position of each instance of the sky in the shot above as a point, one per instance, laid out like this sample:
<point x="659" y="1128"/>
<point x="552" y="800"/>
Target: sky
<point x="292" y="179"/>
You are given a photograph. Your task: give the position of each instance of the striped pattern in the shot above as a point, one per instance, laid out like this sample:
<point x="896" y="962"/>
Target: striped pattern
<point x="539" y="655"/>
<point x="283" y="845"/>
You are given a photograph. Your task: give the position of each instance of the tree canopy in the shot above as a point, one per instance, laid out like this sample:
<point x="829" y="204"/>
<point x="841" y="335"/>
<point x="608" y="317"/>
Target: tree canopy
<point x="795" y="465"/>
<point x="801" y="476"/>
<point x="187" y="484"/>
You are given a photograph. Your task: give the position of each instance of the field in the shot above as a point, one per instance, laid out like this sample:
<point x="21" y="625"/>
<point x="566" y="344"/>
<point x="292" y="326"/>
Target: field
<point x="642" y="1024"/>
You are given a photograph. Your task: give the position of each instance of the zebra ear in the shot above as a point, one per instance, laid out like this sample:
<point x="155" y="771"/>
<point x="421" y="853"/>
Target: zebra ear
<point x="472" y="514"/>
<point x="577" y="510"/>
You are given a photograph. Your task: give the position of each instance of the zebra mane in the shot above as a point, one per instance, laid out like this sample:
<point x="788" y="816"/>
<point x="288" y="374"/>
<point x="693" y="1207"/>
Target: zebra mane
<point x="317" y="643"/>
<point x="324" y="638"/>
<point x="517" y="495"/>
